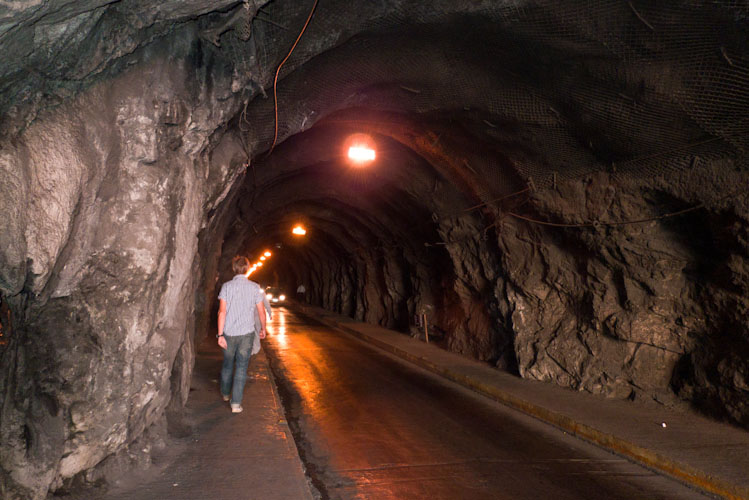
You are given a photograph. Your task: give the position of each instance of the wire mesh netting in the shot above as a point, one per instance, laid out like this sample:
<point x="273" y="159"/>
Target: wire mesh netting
<point x="561" y="89"/>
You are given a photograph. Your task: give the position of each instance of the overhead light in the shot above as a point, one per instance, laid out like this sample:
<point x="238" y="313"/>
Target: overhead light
<point x="361" y="154"/>
<point x="299" y="230"/>
<point x="360" y="149"/>
<point x="259" y="264"/>
<point x="262" y="257"/>
<point x="267" y="253"/>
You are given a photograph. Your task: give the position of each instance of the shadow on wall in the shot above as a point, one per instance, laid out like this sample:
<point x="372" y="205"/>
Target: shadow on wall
<point x="713" y="375"/>
<point x="6" y="328"/>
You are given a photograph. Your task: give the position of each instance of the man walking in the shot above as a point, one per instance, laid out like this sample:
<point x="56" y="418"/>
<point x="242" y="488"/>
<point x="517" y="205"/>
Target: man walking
<point x="238" y="300"/>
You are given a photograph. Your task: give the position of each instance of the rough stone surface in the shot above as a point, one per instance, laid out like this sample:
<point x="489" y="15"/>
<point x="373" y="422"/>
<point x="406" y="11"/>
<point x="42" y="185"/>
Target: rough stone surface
<point x="106" y="202"/>
<point x="615" y="309"/>
<point x="142" y="145"/>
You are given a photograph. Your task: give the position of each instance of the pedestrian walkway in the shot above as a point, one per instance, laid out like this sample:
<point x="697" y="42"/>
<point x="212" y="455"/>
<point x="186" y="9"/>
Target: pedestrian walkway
<point x="708" y="455"/>
<point x="244" y="456"/>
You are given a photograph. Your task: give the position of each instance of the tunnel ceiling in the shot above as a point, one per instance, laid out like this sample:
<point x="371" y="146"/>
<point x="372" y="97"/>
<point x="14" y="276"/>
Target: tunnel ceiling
<point x="489" y="94"/>
<point x="559" y="186"/>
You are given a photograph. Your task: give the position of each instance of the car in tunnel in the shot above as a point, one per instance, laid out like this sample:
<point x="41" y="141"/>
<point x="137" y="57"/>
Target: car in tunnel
<point x="275" y="295"/>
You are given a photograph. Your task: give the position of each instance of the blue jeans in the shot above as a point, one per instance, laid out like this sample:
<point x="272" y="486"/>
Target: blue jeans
<point x="238" y="348"/>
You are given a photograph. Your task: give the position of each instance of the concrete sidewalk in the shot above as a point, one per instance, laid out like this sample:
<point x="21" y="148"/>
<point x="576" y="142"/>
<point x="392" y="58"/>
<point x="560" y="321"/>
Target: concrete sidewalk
<point x="249" y="455"/>
<point x="706" y="454"/>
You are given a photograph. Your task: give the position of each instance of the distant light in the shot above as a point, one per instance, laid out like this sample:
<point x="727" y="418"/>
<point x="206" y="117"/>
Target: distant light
<point x="259" y="264"/>
<point x="262" y="258"/>
<point x="267" y="253"/>
<point x="282" y="297"/>
<point x="299" y="230"/>
<point x="361" y="154"/>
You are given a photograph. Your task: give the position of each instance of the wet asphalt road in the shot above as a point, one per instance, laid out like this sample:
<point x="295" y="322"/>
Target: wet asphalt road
<point x="369" y="426"/>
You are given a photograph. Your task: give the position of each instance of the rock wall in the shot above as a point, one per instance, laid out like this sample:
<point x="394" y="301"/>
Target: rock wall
<point x="653" y="310"/>
<point x="631" y="311"/>
<point x="99" y="262"/>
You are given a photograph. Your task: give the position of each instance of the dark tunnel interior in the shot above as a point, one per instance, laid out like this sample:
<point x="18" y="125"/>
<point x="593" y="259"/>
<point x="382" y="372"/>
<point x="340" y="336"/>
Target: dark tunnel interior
<point x="561" y="187"/>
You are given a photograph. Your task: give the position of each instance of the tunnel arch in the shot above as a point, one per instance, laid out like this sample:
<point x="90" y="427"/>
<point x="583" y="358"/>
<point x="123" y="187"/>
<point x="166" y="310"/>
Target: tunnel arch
<point x="526" y="141"/>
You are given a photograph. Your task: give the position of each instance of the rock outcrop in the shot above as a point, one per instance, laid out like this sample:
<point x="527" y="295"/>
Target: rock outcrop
<point x="625" y="310"/>
<point x="100" y="263"/>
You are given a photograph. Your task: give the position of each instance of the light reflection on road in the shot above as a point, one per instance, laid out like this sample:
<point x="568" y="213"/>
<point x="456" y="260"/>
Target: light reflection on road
<point x="277" y="326"/>
<point x="307" y="376"/>
<point x="371" y="427"/>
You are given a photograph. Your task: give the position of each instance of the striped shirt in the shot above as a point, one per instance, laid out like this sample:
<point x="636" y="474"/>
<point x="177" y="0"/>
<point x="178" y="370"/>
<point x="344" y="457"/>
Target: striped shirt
<point x="241" y="296"/>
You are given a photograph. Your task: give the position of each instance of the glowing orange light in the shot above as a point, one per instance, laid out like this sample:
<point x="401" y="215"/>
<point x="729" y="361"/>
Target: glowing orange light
<point x="267" y="253"/>
<point x="262" y="258"/>
<point x="360" y="149"/>
<point x="361" y="154"/>
<point x="299" y="230"/>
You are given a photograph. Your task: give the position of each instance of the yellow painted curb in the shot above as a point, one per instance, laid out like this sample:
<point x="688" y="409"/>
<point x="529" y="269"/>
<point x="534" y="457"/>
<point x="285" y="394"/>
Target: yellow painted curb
<point x="610" y="442"/>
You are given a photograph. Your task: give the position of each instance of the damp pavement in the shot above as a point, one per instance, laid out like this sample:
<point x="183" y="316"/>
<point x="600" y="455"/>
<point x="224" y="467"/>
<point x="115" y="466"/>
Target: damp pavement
<point x="221" y="455"/>
<point x="252" y="455"/>
<point x="370" y="425"/>
<point x="705" y="454"/>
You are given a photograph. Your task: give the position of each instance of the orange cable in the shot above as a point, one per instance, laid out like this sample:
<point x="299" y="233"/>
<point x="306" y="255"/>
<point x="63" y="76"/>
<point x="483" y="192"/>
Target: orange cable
<point x="275" y="80"/>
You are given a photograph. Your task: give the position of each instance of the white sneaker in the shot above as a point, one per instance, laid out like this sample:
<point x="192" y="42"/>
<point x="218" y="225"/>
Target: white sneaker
<point x="236" y="408"/>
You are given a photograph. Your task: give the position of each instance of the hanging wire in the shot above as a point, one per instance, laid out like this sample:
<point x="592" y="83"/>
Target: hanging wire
<point x="622" y="223"/>
<point x="278" y="70"/>
<point x="578" y="225"/>
<point x="497" y="200"/>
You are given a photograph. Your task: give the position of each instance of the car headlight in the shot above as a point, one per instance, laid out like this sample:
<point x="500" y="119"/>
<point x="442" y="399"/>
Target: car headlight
<point x="268" y="296"/>
<point x="282" y="297"/>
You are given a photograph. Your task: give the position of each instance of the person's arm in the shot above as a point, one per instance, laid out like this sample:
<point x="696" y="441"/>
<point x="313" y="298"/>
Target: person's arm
<point x="221" y="321"/>
<point x="261" y="314"/>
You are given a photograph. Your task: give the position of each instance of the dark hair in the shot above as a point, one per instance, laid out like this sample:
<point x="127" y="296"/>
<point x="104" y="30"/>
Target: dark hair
<point x="240" y="264"/>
